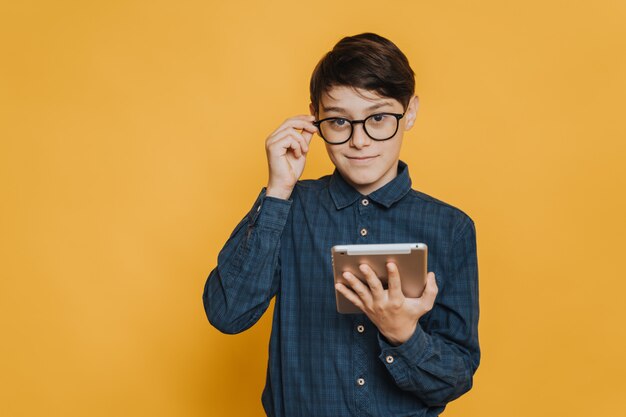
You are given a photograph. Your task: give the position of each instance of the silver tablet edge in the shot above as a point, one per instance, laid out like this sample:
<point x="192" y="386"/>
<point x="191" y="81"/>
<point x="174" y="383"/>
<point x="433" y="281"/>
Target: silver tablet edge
<point x="378" y="249"/>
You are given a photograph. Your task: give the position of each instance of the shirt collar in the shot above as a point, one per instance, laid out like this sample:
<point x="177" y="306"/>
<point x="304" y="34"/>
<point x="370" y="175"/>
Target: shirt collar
<point x="343" y="194"/>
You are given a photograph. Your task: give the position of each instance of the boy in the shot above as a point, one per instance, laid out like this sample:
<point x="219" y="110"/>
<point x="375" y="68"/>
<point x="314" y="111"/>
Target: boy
<point x="402" y="356"/>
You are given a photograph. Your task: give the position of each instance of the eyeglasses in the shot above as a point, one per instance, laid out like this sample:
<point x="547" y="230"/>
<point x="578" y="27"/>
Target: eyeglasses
<point x="379" y="126"/>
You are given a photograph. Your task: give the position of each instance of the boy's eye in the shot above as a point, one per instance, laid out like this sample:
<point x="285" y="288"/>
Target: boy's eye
<point x="378" y="117"/>
<point x="340" y="122"/>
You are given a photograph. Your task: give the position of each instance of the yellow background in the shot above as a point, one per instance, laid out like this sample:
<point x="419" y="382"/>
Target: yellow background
<point x="132" y="142"/>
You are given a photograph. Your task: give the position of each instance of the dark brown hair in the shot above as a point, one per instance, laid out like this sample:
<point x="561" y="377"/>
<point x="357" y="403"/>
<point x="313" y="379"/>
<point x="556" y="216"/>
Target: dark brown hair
<point x="366" y="61"/>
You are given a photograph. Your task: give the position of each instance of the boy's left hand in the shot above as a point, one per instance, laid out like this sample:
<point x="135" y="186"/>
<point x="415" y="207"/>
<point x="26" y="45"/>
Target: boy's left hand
<point x="394" y="314"/>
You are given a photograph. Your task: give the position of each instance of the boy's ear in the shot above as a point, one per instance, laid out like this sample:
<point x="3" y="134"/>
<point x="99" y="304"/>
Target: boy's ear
<point x="312" y="109"/>
<point x="411" y="112"/>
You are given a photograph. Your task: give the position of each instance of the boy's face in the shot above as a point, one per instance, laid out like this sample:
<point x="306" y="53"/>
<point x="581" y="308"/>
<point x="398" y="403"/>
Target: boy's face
<point x="365" y="163"/>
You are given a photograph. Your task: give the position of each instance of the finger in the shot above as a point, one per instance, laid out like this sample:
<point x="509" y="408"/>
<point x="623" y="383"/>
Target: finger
<point x="297" y="122"/>
<point x="394" y="284"/>
<point x="283" y="134"/>
<point x="308" y="128"/>
<point x="306" y="133"/>
<point x="350" y="295"/>
<point x="297" y="149"/>
<point x="376" y="287"/>
<point x="427" y="300"/>
<point x="359" y="288"/>
<point x="283" y="145"/>
<point x="307" y="136"/>
<point x="292" y="134"/>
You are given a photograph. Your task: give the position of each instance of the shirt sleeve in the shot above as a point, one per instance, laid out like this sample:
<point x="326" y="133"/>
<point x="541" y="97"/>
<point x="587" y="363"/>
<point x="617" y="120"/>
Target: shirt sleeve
<point x="438" y="362"/>
<point x="238" y="290"/>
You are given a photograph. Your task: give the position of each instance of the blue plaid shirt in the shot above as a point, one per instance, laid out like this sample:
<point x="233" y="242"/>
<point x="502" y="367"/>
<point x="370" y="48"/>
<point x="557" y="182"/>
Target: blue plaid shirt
<point x="322" y="363"/>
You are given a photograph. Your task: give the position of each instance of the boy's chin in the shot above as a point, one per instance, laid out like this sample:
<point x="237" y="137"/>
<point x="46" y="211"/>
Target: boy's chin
<point x="361" y="178"/>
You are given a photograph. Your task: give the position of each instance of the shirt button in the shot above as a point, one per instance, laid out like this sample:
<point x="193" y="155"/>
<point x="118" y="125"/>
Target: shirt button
<point x="365" y="201"/>
<point x="360" y="381"/>
<point x="389" y="359"/>
<point x="363" y="232"/>
<point x="258" y="208"/>
<point x="360" y="328"/>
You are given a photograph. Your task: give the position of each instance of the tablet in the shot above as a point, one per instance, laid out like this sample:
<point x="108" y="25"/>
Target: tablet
<point x="409" y="257"/>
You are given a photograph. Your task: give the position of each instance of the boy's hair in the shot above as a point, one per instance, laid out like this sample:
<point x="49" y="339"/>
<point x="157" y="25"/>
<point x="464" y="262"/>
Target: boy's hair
<point x="366" y="61"/>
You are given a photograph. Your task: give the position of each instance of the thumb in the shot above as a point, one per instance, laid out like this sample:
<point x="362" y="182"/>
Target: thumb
<point x="307" y="136"/>
<point x="427" y="299"/>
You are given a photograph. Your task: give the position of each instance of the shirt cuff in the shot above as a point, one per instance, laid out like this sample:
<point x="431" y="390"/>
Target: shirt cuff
<point x="398" y="359"/>
<point x="270" y="212"/>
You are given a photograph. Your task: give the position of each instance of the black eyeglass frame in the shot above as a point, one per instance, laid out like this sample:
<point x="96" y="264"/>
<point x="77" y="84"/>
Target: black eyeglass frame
<point x="398" y="116"/>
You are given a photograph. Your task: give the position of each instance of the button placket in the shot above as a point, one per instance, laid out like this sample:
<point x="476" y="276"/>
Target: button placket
<point x="361" y="366"/>
<point x="363" y="209"/>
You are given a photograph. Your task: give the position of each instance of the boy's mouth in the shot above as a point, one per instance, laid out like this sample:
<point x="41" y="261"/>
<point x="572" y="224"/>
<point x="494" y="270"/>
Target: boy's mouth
<point x="361" y="158"/>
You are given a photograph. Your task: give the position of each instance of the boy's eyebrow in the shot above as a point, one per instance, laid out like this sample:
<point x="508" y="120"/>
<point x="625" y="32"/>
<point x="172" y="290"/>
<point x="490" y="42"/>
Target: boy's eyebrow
<point x="372" y="107"/>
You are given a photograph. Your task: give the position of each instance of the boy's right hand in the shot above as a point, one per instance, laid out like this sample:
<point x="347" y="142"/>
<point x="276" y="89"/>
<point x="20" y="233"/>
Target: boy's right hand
<point x="286" y="150"/>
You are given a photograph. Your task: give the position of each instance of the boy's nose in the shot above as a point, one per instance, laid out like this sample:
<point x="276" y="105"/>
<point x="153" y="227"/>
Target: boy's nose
<point x="359" y="138"/>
